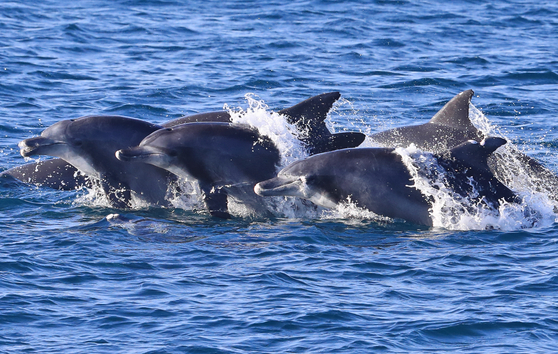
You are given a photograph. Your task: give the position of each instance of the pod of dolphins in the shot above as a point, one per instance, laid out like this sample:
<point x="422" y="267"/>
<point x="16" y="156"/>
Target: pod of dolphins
<point x="128" y="158"/>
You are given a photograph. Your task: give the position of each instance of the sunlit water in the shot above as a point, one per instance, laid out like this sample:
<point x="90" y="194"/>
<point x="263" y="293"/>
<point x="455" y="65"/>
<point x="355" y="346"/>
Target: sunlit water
<point x="77" y="276"/>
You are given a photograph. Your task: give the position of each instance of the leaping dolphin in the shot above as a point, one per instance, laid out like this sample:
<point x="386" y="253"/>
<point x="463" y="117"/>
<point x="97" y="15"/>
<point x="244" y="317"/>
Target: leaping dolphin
<point x="378" y="180"/>
<point x="228" y="159"/>
<point x="224" y="158"/>
<point x="89" y="143"/>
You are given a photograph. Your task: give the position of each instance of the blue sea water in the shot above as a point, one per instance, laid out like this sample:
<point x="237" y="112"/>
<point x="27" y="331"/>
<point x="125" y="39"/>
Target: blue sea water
<point x="79" y="277"/>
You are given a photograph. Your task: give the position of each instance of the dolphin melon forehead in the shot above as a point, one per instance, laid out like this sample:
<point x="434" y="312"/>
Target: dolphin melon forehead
<point x="190" y="132"/>
<point x="104" y="128"/>
<point x="313" y="164"/>
<point x="112" y="123"/>
<point x="109" y="124"/>
<point x="159" y="137"/>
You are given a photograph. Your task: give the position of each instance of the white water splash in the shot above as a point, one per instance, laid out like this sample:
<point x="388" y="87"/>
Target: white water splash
<point x="284" y="136"/>
<point x="515" y="172"/>
<point x="272" y="125"/>
<point x="452" y="211"/>
<point x="349" y="210"/>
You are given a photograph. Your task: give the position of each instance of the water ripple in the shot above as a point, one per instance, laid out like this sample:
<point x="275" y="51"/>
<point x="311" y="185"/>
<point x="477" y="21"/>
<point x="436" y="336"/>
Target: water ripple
<point x="76" y="277"/>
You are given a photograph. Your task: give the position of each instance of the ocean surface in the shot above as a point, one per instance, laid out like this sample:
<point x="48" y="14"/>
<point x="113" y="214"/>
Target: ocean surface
<point x="77" y="276"/>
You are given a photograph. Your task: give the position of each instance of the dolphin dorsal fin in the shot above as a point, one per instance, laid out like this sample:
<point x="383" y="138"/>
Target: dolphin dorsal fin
<point x="456" y="112"/>
<point x="312" y="112"/>
<point x="475" y="154"/>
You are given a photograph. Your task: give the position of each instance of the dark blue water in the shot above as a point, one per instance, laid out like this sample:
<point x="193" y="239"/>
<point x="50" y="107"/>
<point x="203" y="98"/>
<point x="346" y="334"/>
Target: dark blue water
<point x="75" y="278"/>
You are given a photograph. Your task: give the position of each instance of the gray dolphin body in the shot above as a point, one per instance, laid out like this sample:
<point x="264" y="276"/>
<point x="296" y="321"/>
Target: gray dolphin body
<point x="59" y="174"/>
<point x="224" y="158"/>
<point x="88" y="144"/>
<point x="308" y="116"/>
<point x="377" y="179"/>
<point x="53" y="173"/>
<point x="450" y="127"/>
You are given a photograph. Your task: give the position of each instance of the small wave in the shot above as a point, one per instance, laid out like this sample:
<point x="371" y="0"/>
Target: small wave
<point x="422" y="82"/>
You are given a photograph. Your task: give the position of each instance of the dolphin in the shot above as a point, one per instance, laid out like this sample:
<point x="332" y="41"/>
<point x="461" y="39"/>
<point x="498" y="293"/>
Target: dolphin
<point x="378" y="180"/>
<point x="53" y="173"/>
<point x="88" y="144"/>
<point x="224" y="158"/>
<point x="450" y="127"/>
<point x="308" y="116"/>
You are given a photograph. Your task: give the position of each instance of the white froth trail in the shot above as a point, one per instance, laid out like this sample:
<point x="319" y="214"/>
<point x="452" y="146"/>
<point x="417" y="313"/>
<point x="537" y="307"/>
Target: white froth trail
<point x="349" y="210"/>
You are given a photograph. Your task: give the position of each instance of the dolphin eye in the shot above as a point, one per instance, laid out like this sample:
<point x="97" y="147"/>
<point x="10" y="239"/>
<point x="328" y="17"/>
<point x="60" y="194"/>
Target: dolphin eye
<point x="172" y="153"/>
<point x="78" y="143"/>
<point x="310" y="179"/>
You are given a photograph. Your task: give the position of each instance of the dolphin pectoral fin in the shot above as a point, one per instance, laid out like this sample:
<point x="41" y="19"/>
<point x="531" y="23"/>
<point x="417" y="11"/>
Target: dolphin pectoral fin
<point x="308" y="116"/>
<point x="329" y="142"/>
<point x="312" y="111"/>
<point x="475" y="154"/>
<point x="216" y="201"/>
<point x="490" y="144"/>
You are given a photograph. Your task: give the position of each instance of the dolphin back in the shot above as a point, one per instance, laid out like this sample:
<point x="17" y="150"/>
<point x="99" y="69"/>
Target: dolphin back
<point x="53" y="173"/>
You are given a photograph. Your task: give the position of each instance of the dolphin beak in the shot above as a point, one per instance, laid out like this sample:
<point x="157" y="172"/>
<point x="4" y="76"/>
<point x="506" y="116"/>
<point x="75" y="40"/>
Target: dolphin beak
<point x="128" y="154"/>
<point x="34" y="146"/>
<point x="137" y="153"/>
<point x="280" y="186"/>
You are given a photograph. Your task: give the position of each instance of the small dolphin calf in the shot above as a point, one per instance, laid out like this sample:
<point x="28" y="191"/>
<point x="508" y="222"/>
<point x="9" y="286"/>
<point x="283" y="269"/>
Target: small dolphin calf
<point x="89" y="143"/>
<point x="377" y="179"/>
<point x="224" y="158"/>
